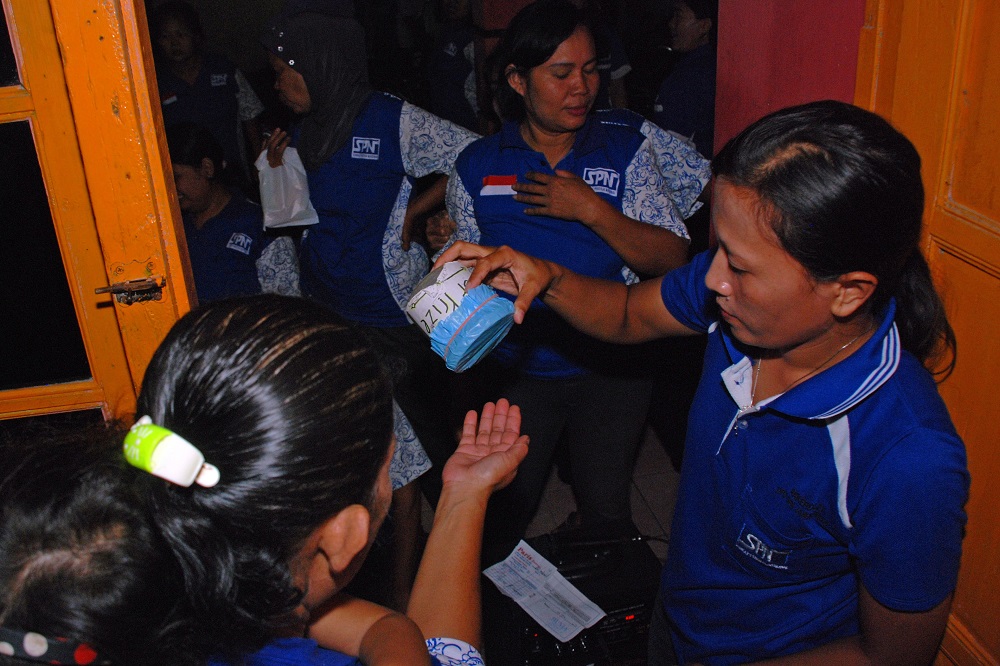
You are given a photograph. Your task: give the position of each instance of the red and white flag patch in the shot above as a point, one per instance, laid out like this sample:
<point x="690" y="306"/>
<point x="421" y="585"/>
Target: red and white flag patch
<point x="498" y="185"/>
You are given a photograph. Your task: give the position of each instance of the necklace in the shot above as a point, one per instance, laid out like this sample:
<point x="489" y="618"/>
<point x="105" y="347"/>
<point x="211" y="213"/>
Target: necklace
<point x="756" y="376"/>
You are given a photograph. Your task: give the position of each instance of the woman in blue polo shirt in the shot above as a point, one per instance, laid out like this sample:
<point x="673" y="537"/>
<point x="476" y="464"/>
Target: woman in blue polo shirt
<point x="559" y="183"/>
<point x="230" y="251"/>
<point x="821" y="501"/>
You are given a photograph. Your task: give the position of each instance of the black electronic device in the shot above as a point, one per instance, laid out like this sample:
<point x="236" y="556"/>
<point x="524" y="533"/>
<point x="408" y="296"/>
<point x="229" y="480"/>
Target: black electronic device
<point x="616" y="569"/>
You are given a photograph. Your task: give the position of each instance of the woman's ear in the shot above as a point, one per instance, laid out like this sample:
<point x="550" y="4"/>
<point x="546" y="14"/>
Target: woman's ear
<point x="853" y="290"/>
<point x="343" y="536"/>
<point x="515" y="80"/>
<point x="207" y="168"/>
<point x="704" y="28"/>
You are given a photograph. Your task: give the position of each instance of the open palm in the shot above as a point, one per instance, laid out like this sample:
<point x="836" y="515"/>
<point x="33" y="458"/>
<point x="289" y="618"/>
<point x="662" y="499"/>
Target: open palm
<point x="490" y="449"/>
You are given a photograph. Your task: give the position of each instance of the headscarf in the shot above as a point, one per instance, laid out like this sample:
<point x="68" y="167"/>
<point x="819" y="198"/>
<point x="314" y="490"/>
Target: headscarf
<point x="328" y="49"/>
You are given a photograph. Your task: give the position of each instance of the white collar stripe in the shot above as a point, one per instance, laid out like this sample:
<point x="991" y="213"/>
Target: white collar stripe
<point x="840" y="437"/>
<point x="885" y="369"/>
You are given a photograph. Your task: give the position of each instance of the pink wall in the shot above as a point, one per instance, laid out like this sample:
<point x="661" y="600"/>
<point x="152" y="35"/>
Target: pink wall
<point x="776" y="53"/>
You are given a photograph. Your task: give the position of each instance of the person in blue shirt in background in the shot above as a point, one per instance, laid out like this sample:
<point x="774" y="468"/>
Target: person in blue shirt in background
<point x="820" y="513"/>
<point x="450" y="71"/>
<point x="231" y="253"/>
<point x="202" y="87"/>
<point x="685" y="103"/>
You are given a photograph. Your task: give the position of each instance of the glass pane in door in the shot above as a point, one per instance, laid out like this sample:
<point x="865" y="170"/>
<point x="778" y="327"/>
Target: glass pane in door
<point x="43" y="344"/>
<point x="8" y="65"/>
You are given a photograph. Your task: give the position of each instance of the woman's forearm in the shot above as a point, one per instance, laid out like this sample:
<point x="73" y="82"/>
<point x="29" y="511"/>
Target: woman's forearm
<point x="445" y="600"/>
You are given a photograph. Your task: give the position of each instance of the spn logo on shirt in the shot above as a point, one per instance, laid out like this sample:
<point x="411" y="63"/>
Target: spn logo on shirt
<point x="364" y="148"/>
<point x="602" y="180"/>
<point x="240" y="242"/>
<point x="219" y="79"/>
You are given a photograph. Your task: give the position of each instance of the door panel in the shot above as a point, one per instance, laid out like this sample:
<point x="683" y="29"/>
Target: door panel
<point x="36" y="117"/>
<point x="106" y="57"/>
<point x="933" y="69"/>
<point x="75" y="76"/>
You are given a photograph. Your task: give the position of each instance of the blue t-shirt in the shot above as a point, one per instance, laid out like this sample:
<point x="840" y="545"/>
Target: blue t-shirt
<point x="224" y="252"/>
<point x="612" y="63"/>
<point x="855" y="476"/>
<point x="619" y="164"/>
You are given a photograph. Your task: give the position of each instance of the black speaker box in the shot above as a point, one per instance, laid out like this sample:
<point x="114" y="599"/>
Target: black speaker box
<point x="616" y="569"/>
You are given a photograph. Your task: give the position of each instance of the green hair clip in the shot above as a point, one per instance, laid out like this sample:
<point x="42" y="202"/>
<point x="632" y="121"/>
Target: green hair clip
<point x="165" y="454"/>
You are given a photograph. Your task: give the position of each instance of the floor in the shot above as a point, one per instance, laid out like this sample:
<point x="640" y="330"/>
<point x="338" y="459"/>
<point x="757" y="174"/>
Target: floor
<point x="654" y="491"/>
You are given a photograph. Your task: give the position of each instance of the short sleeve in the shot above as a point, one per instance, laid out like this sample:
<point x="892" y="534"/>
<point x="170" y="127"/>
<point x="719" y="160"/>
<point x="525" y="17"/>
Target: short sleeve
<point x="462" y="211"/>
<point x="685" y="172"/>
<point x="278" y="268"/>
<point x="910" y="519"/>
<point x="247" y="102"/>
<point x="429" y="144"/>
<point x="620" y="65"/>
<point x="685" y="295"/>
<point x="453" y="652"/>
<point x="646" y="198"/>
<point x="409" y="460"/>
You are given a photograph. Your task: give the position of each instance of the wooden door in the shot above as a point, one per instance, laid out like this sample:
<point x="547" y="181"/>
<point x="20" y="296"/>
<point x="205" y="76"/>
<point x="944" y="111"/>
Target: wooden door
<point x="93" y="207"/>
<point x="933" y="68"/>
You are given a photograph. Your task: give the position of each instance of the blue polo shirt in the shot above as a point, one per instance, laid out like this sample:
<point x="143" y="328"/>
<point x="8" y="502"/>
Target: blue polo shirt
<point x="618" y="162"/>
<point x="352" y="260"/>
<point x="855" y="476"/>
<point x="224" y="252"/>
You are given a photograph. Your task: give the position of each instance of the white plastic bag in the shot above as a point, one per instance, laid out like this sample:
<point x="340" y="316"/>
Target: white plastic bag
<point x="284" y="192"/>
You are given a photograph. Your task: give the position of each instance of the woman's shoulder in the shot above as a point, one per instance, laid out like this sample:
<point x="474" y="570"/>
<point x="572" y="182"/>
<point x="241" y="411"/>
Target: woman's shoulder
<point x="293" y="652"/>
<point x="216" y="63"/>
<point x="479" y="151"/>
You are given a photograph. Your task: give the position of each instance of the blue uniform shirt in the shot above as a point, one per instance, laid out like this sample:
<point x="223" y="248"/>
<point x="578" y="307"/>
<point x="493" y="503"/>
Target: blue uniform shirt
<point x="352" y="260"/>
<point x="224" y="252"/>
<point x="855" y="476"/>
<point x="686" y="101"/>
<point x="210" y="101"/>
<point x="618" y="162"/>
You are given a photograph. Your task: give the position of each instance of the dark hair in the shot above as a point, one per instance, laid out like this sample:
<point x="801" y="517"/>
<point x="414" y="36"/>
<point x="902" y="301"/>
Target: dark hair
<point x="291" y="405"/>
<point x="79" y="558"/>
<point x="844" y="191"/>
<point x="176" y="10"/>
<point x="531" y="39"/>
<point x="704" y="9"/>
<point x="189" y="143"/>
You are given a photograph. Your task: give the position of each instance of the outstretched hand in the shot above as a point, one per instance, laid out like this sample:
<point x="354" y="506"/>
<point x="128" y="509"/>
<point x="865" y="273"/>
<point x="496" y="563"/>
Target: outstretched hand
<point x="489" y="451"/>
<point x="505" y="269"/>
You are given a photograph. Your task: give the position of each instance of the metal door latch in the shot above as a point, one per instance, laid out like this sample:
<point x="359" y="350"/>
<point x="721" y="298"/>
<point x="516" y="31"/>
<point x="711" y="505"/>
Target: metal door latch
<point x="136" y="291"/>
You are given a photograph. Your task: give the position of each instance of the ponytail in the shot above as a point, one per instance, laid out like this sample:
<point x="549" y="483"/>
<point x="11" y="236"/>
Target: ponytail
<point x="920" y="316"/>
